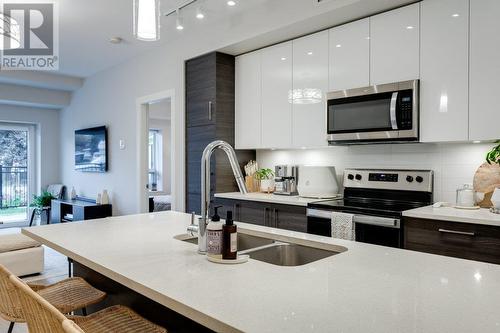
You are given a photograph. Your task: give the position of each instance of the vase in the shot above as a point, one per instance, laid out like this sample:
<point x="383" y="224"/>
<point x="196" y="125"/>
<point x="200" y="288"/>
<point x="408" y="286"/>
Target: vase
<point x="495" y="198"/>
<point x="98" y="200"/>
<point x="104" y="197"/>
<point x="73" y="193"/>
<point x="267" y="185"/>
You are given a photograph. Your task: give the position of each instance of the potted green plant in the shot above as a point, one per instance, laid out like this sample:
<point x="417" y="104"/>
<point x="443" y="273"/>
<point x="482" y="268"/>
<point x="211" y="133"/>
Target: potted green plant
<point x="266" y="178"/>
<point x="487" y="177"/>
<point x="41" y="201"/>
<point x="493" y="156"/>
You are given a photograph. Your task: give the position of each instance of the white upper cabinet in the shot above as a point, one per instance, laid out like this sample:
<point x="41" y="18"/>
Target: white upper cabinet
<point x="248" y="101"/>
<point x="350" y="55"/>
<point x="310" y="84"/>
<point x="394" y="45"/>
<point x="276" y="84"/>
<point x="484" y="69"/>
<point x="444" y="91"/>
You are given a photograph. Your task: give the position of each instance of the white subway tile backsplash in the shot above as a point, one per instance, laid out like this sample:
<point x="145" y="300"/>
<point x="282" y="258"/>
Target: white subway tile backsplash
<point x="453" y="164"/>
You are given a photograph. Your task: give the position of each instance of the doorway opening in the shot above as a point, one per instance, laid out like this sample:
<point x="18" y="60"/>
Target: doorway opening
<point x="159" y="155"/>
<point x="157" y="147"/>
<point x="16" y="173"/>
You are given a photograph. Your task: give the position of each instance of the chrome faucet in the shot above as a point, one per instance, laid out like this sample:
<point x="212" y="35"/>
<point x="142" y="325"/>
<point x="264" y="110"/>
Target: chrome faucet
<point x="205" y="188"/>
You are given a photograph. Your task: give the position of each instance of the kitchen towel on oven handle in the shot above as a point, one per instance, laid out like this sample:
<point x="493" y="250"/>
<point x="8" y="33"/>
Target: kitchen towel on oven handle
<point x="343" y="226"/>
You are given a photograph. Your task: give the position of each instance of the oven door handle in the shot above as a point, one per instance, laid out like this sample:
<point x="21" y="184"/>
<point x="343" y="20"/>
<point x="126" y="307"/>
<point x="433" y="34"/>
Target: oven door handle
<point x="394" y="103"/>
<point x="378" y="221"/>
<point x="364" y="219"/>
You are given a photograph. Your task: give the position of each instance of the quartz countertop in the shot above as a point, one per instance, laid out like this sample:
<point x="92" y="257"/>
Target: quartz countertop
<point x="368" y="288"/>
<point x="270" y="198"/>
<point x="477" y="216"/>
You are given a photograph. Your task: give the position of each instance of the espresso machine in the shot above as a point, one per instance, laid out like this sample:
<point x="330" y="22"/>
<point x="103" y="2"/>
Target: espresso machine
<point x="286" y="179"/>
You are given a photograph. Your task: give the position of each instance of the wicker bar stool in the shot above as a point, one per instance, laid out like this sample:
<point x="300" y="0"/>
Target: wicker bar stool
<point x="42" y="317"/>
<point x="67" y="296"/>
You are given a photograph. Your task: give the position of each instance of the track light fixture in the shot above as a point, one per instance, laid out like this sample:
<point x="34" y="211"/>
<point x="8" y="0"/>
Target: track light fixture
<point x="178" y="21"/>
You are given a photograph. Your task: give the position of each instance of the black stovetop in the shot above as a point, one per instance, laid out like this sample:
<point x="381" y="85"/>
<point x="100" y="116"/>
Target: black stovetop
<point x="368" y="206"/>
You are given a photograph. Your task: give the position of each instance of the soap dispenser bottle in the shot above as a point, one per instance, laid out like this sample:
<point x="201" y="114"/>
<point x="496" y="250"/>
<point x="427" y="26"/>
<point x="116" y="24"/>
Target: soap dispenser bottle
<point x="214" y="236"/>
<point x="229" y="238"/>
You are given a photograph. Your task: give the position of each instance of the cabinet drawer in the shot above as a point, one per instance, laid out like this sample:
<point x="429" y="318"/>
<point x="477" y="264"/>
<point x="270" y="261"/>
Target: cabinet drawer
<point x="246" y="211"/>
<point x="461" y="240"/>
<point x="292" y="218"/>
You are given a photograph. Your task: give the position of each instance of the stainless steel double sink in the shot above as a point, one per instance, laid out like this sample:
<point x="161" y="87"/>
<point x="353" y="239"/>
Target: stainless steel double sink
<point x="274" y="252"/>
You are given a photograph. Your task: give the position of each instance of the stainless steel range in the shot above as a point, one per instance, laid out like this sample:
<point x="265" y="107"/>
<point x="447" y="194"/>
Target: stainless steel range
<point x="377" y="199"/>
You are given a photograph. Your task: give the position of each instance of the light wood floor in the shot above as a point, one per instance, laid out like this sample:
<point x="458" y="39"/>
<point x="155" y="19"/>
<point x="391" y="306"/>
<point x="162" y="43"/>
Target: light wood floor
<point x="56" y="269"/>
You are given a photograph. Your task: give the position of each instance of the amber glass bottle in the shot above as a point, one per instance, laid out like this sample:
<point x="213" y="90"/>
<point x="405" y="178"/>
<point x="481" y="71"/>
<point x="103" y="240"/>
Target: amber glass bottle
<point x="229" y="238"/>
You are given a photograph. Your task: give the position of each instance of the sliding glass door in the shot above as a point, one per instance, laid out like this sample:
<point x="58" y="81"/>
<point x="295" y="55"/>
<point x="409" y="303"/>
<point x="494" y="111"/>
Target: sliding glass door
<point x="16" y="173"/>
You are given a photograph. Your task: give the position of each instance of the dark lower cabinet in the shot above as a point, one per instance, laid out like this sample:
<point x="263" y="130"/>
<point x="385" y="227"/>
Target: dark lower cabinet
<point x="454" y="239"/>
<point x="287" y="217"/>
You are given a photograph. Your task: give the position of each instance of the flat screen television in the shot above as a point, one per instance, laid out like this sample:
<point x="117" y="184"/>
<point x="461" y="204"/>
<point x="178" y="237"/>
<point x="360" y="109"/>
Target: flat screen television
<point x="91" y="149"/>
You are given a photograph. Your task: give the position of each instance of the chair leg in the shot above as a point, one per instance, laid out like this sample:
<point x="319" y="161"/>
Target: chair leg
<point x="48" y="215"/>
<point x="11" y="327"/>
<point x="32" y="217"/>
<point x="70" y="274"/>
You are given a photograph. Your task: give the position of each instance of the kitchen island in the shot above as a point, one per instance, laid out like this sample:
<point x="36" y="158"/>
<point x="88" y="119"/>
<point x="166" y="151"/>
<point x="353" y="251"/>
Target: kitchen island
<point x="364" y="288"/>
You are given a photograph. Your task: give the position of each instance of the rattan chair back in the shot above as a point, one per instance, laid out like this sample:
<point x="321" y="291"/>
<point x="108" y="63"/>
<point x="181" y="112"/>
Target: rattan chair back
<point x="10" y="304"/>
<point x="41" y="316"/>
<point x="70" y="327"/>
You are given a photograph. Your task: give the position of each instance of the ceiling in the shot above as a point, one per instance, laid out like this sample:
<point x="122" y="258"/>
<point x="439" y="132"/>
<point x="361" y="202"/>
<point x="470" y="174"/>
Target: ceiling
<point x="87" y="25"/>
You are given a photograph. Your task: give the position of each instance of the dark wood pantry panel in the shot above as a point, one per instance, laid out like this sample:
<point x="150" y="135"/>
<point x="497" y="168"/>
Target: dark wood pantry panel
<point x="454" y="239"/>
<point x="209" y="117"/>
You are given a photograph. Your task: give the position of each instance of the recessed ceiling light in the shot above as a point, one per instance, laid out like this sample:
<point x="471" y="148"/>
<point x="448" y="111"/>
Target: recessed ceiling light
<point x="455" y="15"/>
<point x="309" y="53"/>
<point x="338" y="45"/>
<point x="283" y="58"/>
<point x="409" y="27"/>
<point x="367" y="37"/>
<point x="476" y="141"/>
<point x="231" y="3"/>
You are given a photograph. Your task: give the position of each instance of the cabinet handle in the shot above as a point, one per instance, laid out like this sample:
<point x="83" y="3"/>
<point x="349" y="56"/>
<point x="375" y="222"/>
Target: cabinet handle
<point x="464" y="233"/>
<point x="210" y="110"/>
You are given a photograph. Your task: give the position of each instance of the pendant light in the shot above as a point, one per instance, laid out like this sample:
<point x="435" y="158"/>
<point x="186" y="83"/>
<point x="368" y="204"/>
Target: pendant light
<point x="147" y="20"/>
<point x="10" y="34"/>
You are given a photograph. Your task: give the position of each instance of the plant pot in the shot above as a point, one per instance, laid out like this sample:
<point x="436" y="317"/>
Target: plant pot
<point x="267" y="185"/>
<point x="486" y="180"/>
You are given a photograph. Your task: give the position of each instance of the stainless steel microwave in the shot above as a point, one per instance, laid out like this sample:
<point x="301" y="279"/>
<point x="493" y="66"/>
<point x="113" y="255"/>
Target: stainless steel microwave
<point x="375" y="114"/>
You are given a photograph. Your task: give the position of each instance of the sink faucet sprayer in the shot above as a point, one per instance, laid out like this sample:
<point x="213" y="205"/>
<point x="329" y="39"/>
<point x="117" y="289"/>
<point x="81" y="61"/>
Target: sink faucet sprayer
<point x="205" y="188"/>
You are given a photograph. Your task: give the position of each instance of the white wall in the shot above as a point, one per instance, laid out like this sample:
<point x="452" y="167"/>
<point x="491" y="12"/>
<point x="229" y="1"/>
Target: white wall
<point x="164" y="127"/>
<point x="108" y="98"/>
<point x="47" y="139"/>
<point x="453" y="164"/>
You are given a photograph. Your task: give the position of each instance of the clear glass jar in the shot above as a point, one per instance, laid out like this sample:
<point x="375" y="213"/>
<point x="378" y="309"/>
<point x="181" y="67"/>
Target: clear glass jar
<point x="465" y="196"/>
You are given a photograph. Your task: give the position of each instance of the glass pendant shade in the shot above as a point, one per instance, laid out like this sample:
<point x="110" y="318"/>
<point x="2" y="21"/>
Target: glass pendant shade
<point x="305" y="96"/>
<point x="10" y="33"/>
<point x="147" y="20"/>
